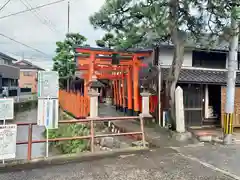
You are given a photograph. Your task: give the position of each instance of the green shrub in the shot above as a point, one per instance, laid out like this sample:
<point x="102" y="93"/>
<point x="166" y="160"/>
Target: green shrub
<point x="70" y="130"/>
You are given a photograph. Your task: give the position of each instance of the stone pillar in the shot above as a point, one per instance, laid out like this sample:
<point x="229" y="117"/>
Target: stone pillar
<point x="145" y="104"/>
<point x="180" y="121"/>
<point x="93" y="94"/>
<point x="206" y="101"/>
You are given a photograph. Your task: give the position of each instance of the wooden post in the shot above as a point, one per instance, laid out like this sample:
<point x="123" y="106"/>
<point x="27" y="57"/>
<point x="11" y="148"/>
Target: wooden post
<point x="29" y="152"/>
<point x="129" y="92"/>
<point x="120" y="96"/>
<point x="91" y="66"/>
<point x="136" y="85"/>
<point x="122" y="88"/>
<point x="114" y="93"/>
<point x="92" y="136"/>
<point x="117" y="95"/>
<point x="85" y="88"/>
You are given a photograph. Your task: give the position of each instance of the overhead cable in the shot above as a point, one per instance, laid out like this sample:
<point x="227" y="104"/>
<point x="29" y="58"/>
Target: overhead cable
<point x="18" y="42"/>
<point x="4" y="5"/>
<point x="31" y="9"/>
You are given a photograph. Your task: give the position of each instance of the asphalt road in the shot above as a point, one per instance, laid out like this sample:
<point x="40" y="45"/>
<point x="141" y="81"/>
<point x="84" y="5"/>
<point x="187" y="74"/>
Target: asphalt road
<point x="159" y="164"/>
<point x="219" y="157"/>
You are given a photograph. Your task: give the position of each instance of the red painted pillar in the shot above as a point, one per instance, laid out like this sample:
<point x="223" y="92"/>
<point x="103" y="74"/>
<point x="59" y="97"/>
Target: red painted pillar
<point x="129" y="92"/>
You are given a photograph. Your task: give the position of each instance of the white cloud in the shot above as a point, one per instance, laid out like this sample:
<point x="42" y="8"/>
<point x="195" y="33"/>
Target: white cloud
<point x="27" y="28"/>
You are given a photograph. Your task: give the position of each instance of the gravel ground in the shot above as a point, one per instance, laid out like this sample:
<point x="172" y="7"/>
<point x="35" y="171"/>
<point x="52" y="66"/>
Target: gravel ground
<point x="163" y="164"/>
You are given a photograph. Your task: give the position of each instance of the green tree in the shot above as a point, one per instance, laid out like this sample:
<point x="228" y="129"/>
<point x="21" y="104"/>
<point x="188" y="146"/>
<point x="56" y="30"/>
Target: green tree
<point x="64" y="59"/>
<point x="149" y="22"/>
<point x="108" y="41"/>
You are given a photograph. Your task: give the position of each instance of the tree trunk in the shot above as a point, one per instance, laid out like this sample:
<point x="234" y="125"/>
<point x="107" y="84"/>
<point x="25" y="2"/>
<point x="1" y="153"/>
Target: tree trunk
<point x="178" y="57"/>
<point x="174" y="72"/>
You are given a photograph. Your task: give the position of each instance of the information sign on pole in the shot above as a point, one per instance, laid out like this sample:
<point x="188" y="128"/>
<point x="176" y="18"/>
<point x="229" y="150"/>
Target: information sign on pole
<point x="8" y="136"/>
<point x="6" y="108"/>
<point x="48" y="113"/>
<point x="48" y="87"/>
<point x="48" y="84"/>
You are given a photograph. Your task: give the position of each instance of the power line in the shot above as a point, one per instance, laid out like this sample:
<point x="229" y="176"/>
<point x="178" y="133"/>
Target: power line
<point x="45" y="18"/>
<point x="4" y="5"/>
<point x="3" y="35"/>
<point x="39" y="59"/>
<point x="31" y="9"/>
<point x="44" y="21"/>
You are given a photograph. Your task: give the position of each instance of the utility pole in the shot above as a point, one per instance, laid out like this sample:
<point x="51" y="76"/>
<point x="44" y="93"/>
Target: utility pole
<point x="156" y="62"/>
<point x="68" y="15"/>
<point x="232" y="66"/>
<point x="68" y="24"/>
<point x="23" y="56"/>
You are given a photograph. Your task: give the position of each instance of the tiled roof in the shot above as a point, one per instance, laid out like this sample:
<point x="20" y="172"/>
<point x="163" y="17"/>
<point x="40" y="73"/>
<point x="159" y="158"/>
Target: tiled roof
<point x="6" y="57"/>
<point x="96" y="84"/>
<point x="201" y="76"/>
<point x="26" y="65"/>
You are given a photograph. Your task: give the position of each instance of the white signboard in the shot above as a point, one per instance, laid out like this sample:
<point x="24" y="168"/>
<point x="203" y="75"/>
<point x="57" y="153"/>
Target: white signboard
<point x="6" y="108"/>
<point x="48" y="84"/>
<point x="8" y="136"/>
<point x="48" y="113"/>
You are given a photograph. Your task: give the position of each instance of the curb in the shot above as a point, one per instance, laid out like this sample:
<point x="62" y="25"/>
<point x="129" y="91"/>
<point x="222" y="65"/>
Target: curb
<point x="63" y="159"/>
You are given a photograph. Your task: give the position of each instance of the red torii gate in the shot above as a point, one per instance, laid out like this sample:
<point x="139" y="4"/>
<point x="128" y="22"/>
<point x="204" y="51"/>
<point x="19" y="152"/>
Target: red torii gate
<point x="98" y="62"/>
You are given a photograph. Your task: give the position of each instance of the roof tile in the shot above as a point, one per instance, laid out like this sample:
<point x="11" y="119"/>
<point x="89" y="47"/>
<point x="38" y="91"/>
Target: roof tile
<point x="201" y="76"/>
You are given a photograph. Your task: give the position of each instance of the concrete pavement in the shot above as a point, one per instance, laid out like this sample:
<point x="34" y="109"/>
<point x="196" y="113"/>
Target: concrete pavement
<point x="225" y="159"/>
<point x="164" y="164"/>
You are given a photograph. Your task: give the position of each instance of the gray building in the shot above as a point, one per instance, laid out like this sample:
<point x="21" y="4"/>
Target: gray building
<point x="9" y="74"/>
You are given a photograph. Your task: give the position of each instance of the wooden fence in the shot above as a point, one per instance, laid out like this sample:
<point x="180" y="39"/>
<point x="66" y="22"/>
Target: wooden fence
<point x="74" y="103"/>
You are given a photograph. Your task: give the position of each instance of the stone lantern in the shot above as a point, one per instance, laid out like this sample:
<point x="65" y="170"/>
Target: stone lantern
<point x="93" y="94"/>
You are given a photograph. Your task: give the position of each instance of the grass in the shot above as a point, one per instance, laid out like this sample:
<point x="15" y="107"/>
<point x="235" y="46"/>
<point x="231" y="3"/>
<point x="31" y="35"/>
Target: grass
<point x="70" y="130"/>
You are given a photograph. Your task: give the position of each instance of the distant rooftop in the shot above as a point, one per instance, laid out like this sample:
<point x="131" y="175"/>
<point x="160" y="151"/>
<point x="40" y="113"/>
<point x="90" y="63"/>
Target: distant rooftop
<point x="6" y="57"/>
<point x="23" y="64"/>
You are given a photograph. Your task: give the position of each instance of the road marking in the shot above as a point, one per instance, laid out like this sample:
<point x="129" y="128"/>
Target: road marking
<point x="188" y="146"/>
<point x="128" y="155"/>
<point x="214" y="168"/>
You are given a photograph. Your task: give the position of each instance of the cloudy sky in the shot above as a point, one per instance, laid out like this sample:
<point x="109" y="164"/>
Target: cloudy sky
<point x="40" y="29"/>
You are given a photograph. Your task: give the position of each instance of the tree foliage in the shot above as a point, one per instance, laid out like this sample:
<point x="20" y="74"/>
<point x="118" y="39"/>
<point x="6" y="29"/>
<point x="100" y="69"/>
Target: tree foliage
<point x="64" y="59"/>
<point x="147" y="23"/>
<point x="108" y="41"/>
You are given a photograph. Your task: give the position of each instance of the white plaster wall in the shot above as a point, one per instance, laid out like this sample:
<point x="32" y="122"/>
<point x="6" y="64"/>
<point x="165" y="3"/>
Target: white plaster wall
<point x="166" y="56"/>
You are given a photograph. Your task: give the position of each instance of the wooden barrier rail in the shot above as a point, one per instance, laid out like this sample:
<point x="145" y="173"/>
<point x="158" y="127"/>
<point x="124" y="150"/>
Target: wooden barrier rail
<point x="74" y="103"/>
<point x="92" y="136"/>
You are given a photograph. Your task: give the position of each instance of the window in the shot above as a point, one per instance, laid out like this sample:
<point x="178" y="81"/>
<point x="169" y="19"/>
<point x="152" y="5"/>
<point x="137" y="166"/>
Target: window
<point x="1" y="61"/>
<point x="27" y="73"/>
<point x="7" y="62"/>
<point x="207" y="59"/>
<point x="28" y="85"/>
